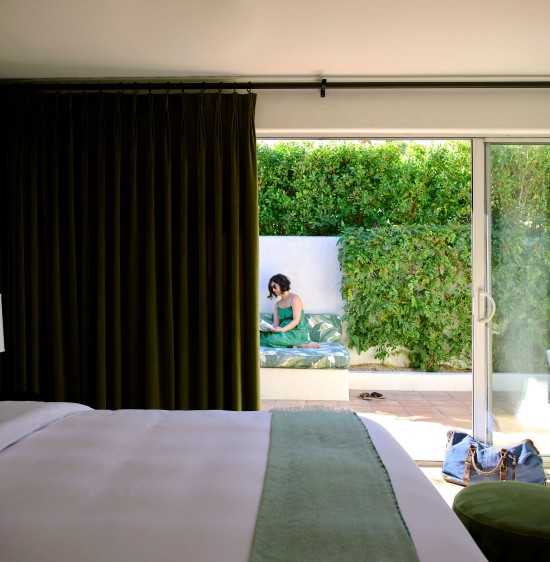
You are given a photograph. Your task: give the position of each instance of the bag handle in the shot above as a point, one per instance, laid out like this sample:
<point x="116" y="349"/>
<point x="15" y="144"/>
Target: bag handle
<point x="502" y="464"/>
<point x="532" y="445"/>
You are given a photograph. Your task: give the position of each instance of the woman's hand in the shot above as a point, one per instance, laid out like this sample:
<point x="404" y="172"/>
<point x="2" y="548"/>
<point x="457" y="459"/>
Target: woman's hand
<point x="276" y="329"/>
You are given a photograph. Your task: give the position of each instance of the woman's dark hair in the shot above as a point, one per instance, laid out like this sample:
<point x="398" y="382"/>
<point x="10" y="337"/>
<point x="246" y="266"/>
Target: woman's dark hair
<point x="282" y="280"/>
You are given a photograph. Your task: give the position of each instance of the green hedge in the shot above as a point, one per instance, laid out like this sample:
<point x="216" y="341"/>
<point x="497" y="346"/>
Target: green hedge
<point x="520" y="178"/>
<point x="313" y="190"/>
<point x="411" y="287"/>
<point x="520" y="279"/>
<point x="306" y="189"/>
<point x="408" y="286"/>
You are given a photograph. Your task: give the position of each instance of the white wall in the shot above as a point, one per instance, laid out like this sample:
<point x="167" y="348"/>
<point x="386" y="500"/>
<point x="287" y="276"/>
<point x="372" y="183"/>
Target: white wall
<point x="452" y="112"/>
<point x="311" y="264"/>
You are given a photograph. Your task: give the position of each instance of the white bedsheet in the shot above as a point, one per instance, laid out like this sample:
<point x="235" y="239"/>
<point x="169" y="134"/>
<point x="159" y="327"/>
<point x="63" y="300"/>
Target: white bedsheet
<point x="82" y="485"/>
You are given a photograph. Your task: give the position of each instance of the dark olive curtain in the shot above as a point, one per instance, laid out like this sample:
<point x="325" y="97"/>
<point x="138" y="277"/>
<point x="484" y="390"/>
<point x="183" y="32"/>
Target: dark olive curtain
<point x="129" y="249"/>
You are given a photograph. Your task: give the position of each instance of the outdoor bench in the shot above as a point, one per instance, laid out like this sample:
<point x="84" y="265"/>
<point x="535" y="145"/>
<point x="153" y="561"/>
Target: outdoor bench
<point x="307" y="373"/>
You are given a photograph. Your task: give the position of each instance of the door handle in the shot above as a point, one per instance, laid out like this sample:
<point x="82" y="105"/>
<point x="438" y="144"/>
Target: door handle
<point x="482" y="296"/>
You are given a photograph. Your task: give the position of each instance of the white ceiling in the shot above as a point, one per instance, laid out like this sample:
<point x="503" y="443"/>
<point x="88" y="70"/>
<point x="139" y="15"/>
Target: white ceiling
<point x="281" y="38"/>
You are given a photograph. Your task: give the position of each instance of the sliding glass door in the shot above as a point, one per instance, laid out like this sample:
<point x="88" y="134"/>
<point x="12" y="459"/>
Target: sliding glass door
<point x="511" y="296"/>
<point x="520" y="256"/>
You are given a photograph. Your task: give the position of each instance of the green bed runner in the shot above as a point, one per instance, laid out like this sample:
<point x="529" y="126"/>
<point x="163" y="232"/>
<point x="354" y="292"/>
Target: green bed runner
<point x="327" y="495"/>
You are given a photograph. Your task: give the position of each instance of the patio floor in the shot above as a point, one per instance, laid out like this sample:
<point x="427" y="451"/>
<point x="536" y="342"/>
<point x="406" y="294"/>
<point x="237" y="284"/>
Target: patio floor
<point x="420" y="421"/>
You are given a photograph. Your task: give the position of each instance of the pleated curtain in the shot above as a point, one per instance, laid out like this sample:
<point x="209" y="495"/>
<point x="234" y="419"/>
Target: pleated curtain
<point x="129" y="249"/>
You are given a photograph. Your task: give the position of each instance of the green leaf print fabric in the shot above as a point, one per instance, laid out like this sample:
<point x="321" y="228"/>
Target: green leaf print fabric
<point x="324" y="327"/>
<point x="321" y="327"/>
<point x="329" y="356"/>
<point x="297" y="336"/>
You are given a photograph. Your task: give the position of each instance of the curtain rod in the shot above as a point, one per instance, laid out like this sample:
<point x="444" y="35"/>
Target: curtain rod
<point x="323" y="85"/>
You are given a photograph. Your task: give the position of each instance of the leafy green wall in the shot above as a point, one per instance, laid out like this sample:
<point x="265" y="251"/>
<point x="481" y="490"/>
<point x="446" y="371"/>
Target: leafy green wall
<point x="311" y="190"/>
<point x="520" y="179"/>
<point x="409" y="286"/>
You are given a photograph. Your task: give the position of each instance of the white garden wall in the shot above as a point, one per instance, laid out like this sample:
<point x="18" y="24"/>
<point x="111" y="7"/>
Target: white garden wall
<point x="311" y="264"/>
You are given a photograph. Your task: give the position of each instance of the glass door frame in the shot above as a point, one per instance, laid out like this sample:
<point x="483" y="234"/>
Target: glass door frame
<point x="480" y="332"/>
<point x="481" y="280"/>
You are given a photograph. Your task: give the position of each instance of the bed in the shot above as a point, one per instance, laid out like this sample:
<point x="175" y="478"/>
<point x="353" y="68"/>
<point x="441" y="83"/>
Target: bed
<point x="82" y="485"/>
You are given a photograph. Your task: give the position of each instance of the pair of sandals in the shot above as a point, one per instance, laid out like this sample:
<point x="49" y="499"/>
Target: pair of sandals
<point x="371" y="395"/>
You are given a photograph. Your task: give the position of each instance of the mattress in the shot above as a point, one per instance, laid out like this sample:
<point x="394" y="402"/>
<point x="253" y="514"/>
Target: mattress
<point x="139" y="485"/>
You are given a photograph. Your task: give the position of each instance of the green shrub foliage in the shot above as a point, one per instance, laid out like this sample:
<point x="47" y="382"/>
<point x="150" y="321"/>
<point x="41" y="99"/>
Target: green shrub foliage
<point x="520" y="182"/>
<point x="520" y="178"/>
<point x="408" y="286"/>
<point x="521" y="289"/>
<point x="314" y="190"/>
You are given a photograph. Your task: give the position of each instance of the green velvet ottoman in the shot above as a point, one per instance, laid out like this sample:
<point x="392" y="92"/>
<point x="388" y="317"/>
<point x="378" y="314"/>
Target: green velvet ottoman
<point x="507" y="520"/>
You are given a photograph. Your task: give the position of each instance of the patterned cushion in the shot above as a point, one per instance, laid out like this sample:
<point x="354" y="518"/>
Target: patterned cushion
<point x="266" y="317"/>
<point x="324" y="327"/>
<point x="329" y="356"/>
<point x="321" y="327"/>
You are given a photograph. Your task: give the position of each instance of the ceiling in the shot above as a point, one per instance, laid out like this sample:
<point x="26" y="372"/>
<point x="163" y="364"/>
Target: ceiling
<point x="278" y="39"/>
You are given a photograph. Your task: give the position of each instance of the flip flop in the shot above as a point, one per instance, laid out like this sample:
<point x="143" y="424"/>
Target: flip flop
<point x="365" y="396"/>
<point x="377" y="395"/>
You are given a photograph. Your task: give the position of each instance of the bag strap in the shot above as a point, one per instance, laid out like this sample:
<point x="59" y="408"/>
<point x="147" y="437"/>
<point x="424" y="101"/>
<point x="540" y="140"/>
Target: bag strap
<point x="532" y="445"/>
<point x="468" y="464"/>
<point x="502" y="464"/>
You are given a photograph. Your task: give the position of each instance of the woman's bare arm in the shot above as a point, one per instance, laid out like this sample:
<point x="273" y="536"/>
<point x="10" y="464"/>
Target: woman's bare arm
<point x="276" y="320"/>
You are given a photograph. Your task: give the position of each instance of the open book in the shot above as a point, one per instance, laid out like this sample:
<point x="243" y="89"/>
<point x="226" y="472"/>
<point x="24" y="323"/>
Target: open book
<point x="265" y="326"/>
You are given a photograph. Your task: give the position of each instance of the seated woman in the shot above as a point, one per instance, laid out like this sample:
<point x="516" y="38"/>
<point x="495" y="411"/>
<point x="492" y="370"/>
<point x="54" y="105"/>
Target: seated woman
<point x="289" y="322"/>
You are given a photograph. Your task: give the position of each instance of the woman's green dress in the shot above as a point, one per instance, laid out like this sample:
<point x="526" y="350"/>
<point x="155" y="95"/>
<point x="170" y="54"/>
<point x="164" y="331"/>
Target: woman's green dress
<point x="297" y="336"/>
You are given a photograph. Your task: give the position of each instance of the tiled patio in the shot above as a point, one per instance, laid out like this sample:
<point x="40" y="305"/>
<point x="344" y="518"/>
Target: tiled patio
<point x="452" y="409"/>
<point x="420" y="421"/>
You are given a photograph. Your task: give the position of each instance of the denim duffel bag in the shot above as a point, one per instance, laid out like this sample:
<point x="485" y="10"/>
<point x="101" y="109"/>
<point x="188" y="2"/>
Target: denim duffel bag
<point x="468" y="461"/>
